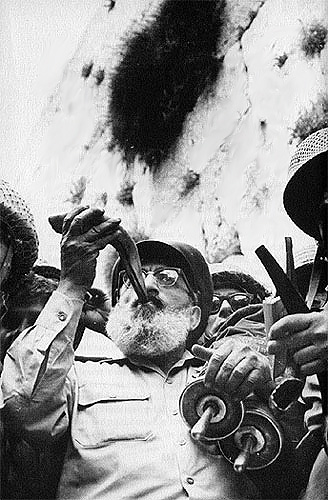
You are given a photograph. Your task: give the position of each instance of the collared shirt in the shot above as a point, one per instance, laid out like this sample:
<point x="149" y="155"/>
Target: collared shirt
<point x="127" y="438"/>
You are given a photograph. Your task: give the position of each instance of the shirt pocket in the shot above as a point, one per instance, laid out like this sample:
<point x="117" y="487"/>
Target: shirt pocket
<point x="106" y="414"/>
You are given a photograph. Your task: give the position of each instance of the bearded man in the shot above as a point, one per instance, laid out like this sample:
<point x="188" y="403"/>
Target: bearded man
<point x="126" y="438"/>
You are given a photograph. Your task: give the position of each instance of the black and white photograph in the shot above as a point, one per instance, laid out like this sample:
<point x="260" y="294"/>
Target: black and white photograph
<point x="164" y="249"/>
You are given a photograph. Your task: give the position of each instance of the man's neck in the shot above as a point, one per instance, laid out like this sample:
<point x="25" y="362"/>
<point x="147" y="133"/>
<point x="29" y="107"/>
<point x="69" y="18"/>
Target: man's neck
<point x="164" y="362"/>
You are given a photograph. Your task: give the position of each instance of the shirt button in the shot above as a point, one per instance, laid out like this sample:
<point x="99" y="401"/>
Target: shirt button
<point x="190" y="480"/>
<point x="169" y="381"/>
<point x="174" y="412"/>
<point x="62" y="316"/>
<point x="182" y="442"/>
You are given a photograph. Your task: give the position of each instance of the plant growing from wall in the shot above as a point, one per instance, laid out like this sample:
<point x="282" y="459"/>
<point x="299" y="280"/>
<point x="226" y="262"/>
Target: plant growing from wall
<point x="86" y="70"/>
<point x="101" y="200"/>
<point x="312" y="120"/>
<point x="260" y="197"/>
<point x="139" y="235"/>
<point x="280" y="60"/>
<point x="109" y="5"/>
<point x="314" y="37"/>
<point x="125" y="194"/>
<point x="99" y="76"/>
<point x="77" y="191"/>
<point x="164" y="70"/>
<point x="189" y="181"/>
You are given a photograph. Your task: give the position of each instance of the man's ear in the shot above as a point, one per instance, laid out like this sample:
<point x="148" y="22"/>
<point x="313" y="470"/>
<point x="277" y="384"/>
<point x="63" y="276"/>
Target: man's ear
<point x="195" y="317"/>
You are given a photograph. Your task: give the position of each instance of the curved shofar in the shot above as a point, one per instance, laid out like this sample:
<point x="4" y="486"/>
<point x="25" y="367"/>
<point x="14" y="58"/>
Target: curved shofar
<point x="126" y="248"/>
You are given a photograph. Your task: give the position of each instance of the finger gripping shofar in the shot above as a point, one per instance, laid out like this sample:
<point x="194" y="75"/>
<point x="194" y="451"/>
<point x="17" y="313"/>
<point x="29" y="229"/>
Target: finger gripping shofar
<point x="125" y="247"/>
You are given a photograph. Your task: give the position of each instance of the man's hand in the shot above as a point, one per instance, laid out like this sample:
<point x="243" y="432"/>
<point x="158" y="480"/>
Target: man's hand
<point x="96" y="310"/>
<point x="85" y="233"/>
<point x="305" y="337"/>
<point x="234" y="367"/>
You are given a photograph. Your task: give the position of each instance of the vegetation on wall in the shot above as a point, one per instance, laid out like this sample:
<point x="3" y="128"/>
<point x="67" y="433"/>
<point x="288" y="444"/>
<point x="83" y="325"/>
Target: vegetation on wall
<point x="109" y="5"/>
<point x="312" y="120"/>
<point x="189" y="181"/>
<point x="99" y="76"/>
<point x="125" y="194"/>
<point x="101" y="200"/>
<point x="280" y="60"/>
<point x="162" y="73"/>
<point x="86" y="70"/>
<point x="77" y="191"/>
<point x="314" y="37"/>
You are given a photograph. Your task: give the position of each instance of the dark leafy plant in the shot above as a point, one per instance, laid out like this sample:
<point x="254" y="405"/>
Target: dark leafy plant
<point x="280" y="60"/>
<point x="314" y="39"/>
<point x="189" y="181"/>
<point x="163" y="71"/>
<point x="99" y="76"/>
<point x="86" y="70"/>
<point x="312" y="120"/>
<point x="109" y="5"/>
<point x="125" y="196"/>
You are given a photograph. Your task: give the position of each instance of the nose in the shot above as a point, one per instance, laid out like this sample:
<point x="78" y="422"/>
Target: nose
<point x="150" y="283"/>
<point x="225" y="309"/>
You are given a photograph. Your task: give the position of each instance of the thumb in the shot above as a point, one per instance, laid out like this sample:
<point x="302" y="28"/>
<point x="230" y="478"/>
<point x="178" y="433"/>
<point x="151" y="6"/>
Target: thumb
<point x="201" y="352"/>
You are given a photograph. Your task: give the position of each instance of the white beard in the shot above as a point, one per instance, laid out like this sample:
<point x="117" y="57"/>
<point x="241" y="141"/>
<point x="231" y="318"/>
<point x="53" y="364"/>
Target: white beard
<point x="148" y="333"/>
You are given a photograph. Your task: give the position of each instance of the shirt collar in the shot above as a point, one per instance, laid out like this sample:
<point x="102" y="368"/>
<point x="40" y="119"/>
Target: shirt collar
<point x="116" y="356"/>
<point x="187" y="359"/>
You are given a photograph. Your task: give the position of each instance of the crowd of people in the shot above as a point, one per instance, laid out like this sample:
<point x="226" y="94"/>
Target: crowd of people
<point x="110" y="426"/>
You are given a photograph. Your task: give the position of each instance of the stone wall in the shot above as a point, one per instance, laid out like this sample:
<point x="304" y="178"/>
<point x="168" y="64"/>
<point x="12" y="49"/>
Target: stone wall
<point x="220" y="188"/>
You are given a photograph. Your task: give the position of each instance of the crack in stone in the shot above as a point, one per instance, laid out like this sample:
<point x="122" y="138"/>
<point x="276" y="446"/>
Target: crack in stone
<point x="252" y="14"/>
<point x="246" y="86"/>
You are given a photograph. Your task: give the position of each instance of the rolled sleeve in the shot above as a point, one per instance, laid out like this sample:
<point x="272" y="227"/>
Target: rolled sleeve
<point x="36" y="385"/>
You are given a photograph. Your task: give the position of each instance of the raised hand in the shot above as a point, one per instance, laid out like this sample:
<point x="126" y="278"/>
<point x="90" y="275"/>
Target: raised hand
<point x="84" y="233"/>
<point x="234" y="367"/>
<point x="305" y="337"/>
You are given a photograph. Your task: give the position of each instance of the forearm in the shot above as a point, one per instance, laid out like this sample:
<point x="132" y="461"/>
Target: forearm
<point x="35" y="387"/>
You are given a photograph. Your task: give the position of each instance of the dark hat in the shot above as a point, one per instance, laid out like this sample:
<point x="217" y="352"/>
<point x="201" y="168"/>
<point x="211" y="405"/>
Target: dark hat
<point x="194" y="266"/>
<point x="307" y="182"/>
<point x="238" y="279"/>
<point x="17" y="221"/>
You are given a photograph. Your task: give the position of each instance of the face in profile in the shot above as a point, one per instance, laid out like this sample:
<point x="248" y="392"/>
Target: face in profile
<point x="161" y="326"/>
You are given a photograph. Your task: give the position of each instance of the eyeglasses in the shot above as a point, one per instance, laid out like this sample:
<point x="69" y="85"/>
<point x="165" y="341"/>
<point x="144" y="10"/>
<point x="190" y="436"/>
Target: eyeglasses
<point x="164" y="277"/>
<point x="236" y="300"/>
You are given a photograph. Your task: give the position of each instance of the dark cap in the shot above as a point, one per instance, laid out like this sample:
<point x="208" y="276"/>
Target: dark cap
<point x="307" y="182"/>
<point x="194" y="266"/>
<point x="239" y="280"/>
